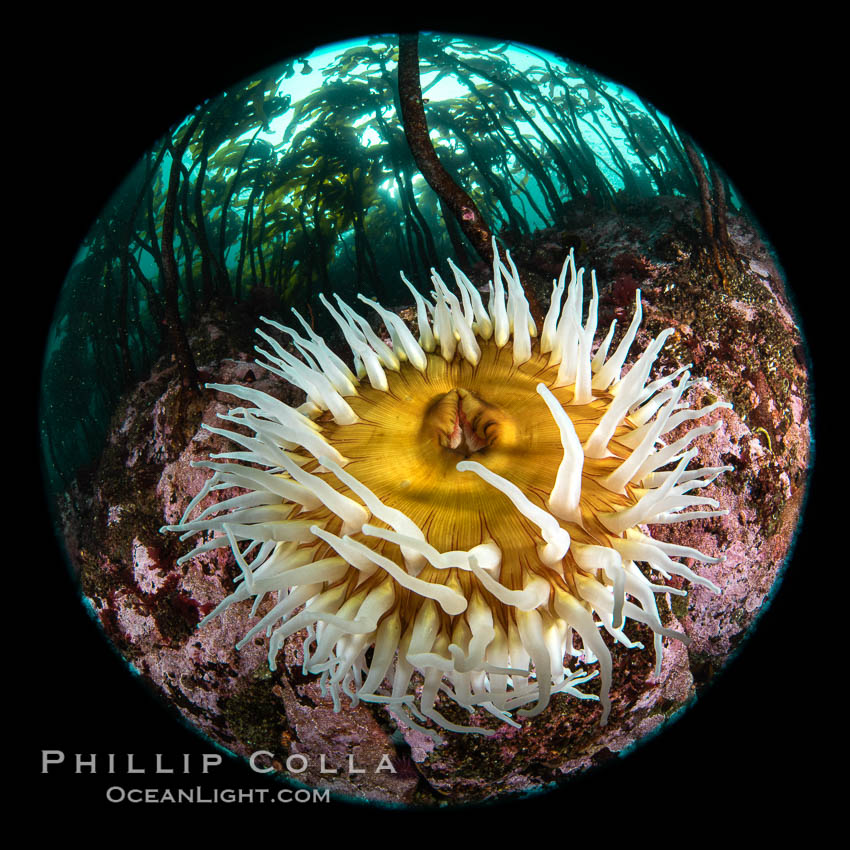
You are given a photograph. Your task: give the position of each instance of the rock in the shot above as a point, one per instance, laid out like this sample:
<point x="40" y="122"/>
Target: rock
<point x="742" y="341"/>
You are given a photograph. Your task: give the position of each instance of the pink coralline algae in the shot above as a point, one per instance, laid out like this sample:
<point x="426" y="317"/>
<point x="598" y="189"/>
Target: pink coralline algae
<point x="742" y="342"/>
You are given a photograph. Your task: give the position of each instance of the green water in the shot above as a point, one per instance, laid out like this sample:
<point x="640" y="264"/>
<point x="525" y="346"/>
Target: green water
<point x="299" y="180"/>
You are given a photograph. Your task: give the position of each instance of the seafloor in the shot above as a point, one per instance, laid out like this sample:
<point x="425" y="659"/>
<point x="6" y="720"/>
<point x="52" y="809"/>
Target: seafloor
<point x="738" y="330"/>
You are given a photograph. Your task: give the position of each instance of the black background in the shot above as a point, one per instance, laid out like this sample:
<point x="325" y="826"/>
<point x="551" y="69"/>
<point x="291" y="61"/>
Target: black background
<point x="96" y="95"/>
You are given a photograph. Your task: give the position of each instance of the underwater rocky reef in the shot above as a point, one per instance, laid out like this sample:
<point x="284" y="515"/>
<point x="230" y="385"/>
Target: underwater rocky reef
<point x="305" y="179"/>
<point x="741" y="337"/>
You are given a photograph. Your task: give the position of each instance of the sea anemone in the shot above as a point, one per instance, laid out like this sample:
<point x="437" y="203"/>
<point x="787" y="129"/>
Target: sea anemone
<point x="465" y="506"/>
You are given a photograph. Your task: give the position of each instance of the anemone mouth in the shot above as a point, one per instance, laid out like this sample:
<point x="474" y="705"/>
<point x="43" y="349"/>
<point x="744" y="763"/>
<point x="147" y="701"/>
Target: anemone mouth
<point x="459" y="506"/>
<point x="402" y="448"/>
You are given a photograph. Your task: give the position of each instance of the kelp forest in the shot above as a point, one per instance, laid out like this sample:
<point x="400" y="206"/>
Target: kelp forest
<point x="332" y="173"/>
